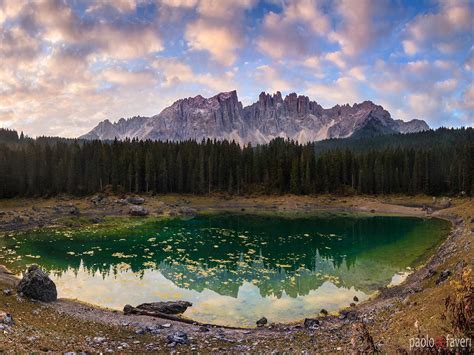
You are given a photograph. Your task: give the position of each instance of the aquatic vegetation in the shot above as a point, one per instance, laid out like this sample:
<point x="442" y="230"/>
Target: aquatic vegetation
<point x="241" y="263"/>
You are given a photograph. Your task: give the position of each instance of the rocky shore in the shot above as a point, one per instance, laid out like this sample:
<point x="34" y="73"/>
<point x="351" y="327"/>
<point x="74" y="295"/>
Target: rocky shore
<point x="419" y="306"/>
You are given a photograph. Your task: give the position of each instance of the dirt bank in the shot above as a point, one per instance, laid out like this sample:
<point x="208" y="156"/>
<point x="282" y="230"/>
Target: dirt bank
<point x="386" y="322"/>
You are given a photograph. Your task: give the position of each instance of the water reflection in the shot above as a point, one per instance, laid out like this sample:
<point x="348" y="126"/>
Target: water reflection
<point x="234" y="268"/>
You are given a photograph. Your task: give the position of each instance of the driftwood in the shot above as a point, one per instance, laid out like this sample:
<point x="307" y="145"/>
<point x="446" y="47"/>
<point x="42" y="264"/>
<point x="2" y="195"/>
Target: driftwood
<point x="128" y="309"/>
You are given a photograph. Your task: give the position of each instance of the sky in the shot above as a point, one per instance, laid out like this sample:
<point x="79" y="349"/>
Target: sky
<point x="66" y="65"/>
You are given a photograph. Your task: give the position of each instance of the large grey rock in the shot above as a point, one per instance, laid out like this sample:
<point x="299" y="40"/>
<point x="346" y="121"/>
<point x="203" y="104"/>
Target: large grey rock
<point x="138" y="211"/>
<point x="224" y="117"/>
<point x="37" y="285"/>
<point x="134" y="200"/>
<point x="67" y="209"/>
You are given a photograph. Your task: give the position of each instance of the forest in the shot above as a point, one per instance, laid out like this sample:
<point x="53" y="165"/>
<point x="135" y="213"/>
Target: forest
<point x="432" y="162"/>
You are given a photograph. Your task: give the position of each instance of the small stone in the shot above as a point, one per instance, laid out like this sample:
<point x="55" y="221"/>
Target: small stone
<point x="323" y="312"/>
<point x="140" y="331"/>
<point x="166" y="325"/>
<point x="6" y="318"/>
<point x="8" y="292"/>
<point x="356" y="299"/>
<point x="311" y="323"/>
<point x="178" y="337"/>
<point x="99" y="339"/>
<point x="352" y="304"/>
<point x="443" y="276"/>
<point x="262" y="321"/>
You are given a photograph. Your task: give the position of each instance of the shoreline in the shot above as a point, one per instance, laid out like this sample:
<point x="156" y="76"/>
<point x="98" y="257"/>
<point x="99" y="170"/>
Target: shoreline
<point x="387" y="298"/>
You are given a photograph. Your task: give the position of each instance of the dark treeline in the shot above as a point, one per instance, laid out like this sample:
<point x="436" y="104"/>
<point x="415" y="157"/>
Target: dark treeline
<point x="442" y="163"/>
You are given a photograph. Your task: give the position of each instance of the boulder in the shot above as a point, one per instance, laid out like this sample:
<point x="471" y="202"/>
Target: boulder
<point x="171" y="307"/>
<point x="121" y="201"/>
<point x="187" y="211"/>
<point x="37" y="285"/>
<point x="138" y="211"/>
<point x="99" y="199"/>
<point x="67" y="209"/>
<point x="444" y="203"/>
<point x="135" y="200"/>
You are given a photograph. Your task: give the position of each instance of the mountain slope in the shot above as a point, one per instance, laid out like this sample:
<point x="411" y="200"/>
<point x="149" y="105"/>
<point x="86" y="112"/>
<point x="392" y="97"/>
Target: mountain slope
<point x="224" y="117"/>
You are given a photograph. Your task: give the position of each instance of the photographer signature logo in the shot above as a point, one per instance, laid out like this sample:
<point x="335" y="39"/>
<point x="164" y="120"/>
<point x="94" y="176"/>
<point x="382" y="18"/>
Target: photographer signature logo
<point x="442" y="342"/>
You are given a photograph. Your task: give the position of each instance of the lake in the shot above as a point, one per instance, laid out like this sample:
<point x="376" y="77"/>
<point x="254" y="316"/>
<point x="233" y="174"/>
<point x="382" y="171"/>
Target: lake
<point x="234" y="267"/>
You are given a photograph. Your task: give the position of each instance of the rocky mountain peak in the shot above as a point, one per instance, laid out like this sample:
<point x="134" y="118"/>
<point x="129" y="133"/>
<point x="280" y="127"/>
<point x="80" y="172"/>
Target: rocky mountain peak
<point x="223" y="116"/>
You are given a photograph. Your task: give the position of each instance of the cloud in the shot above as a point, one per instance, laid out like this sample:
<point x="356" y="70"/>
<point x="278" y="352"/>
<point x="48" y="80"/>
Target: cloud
<point x="17" y="46"/>
<point x="221" y="42"/>
<point x="467" y="100"/>
<point x="218" y="29"/>
<point x="469" y="62"/>
<point x="419" y="89"/>
<point x="270" y="79"/>
<point x="446" y="30"/>
<point x="292" y="32"/>
<point x="10" y="9"/>
<point x="116" y="37"/>
<point x="340" y="91"/>
<point x="66" y="64"/>
<point x="173" y="72"/>
<point x="120" y="76"/>
<point x="336" y="58"/>
<point x="363" y="24"/>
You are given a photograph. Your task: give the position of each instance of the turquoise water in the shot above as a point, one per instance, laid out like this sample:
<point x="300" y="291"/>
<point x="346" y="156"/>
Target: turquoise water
<point x="234" y="268"/>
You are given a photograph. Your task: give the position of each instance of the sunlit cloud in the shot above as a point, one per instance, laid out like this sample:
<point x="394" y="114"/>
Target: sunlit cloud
<point x="66" y="65"/>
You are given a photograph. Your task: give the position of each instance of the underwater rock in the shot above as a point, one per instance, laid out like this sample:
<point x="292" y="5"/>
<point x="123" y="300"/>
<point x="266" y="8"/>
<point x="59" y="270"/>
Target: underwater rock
<point x="262" y="321"/>
<point x="37" y="285"/>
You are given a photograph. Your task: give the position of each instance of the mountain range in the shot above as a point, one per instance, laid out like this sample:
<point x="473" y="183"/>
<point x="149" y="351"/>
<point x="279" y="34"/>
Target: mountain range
<point x="224" y="117"/>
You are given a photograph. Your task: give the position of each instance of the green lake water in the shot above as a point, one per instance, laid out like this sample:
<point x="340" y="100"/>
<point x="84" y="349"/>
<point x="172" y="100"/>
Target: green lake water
<point x="234" y="268"/>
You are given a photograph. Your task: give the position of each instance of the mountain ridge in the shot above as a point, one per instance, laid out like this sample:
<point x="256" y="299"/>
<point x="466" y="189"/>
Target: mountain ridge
<point x="223" y="116"/>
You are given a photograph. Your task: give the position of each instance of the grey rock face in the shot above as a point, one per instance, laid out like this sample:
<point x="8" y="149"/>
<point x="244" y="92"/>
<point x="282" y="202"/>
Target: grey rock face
<point x="223" y="117"/>
<point x="37" y="285"/>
